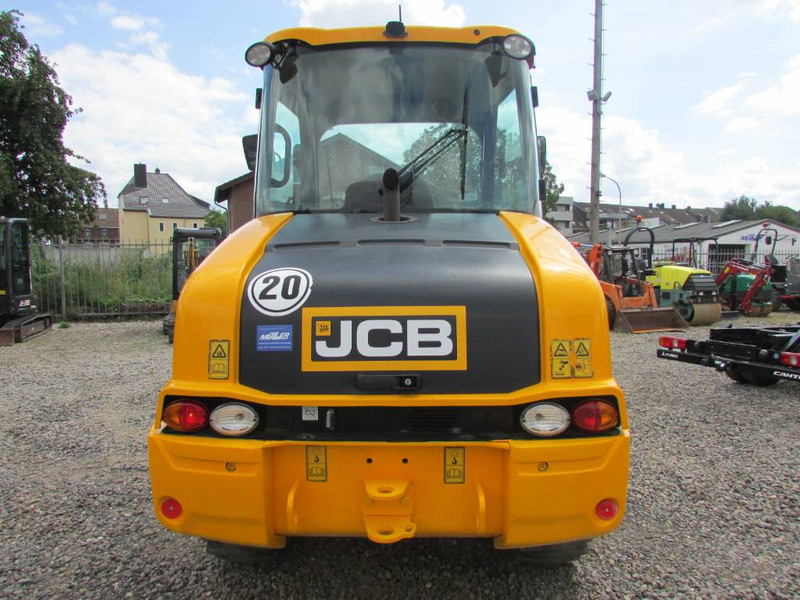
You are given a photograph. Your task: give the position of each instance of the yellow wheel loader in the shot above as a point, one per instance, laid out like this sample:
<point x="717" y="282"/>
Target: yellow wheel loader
<point x="397" y="345"/>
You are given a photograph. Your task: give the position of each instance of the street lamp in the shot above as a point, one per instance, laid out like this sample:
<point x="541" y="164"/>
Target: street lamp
<point x="619" y="191"/>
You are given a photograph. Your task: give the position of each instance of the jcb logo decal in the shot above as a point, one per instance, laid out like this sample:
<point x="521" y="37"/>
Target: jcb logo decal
<point x="424" y="338"/>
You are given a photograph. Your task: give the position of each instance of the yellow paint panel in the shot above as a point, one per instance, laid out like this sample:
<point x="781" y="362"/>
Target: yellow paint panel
<point x="325" y="37"/>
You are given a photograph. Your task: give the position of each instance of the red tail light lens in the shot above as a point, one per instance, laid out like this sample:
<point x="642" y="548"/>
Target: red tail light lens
<point x="595" y="416"/>
<point x="185" y="416"/>
<point x="606" y="509"/>
<point x="674" y="343"/>
<point x="790" y="359"/>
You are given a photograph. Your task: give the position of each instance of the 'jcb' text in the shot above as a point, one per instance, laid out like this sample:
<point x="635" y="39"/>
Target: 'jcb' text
<point x="349" y="341"/>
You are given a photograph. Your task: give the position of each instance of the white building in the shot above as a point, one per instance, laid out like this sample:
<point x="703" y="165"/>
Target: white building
<point x="713" y="243"/>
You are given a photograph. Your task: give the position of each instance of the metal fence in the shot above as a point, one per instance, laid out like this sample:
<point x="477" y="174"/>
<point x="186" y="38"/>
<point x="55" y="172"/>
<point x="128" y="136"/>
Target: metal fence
<point x="81" y="281"/>
<point x="714" y="261"/>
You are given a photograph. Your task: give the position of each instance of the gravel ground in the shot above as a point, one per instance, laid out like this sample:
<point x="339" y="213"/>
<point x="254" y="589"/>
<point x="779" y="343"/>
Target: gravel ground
<point x="714" y="508"/>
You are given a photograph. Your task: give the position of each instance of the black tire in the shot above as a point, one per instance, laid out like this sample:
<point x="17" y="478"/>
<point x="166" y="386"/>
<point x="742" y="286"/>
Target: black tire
<point x="760" y="380"/>
<point x="242" y="555"/>
<point x="736" y="376"/>
<point x="793" y="304"/>
<point x="777" y="303"/>
<point x="612" y="313"/>
<point x="554" y="555"/>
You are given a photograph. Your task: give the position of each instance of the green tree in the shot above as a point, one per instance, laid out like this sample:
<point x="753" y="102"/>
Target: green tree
<point x="781" y="214"/>
<point x="742" y="207"/>
<point x="216" y="218"/>
<point x="37" y="180"/>
<point x="553" y="189"/>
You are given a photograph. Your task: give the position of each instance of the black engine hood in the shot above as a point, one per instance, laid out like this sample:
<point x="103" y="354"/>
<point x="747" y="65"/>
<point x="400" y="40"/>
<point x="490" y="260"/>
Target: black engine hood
<point x="342" y="304"/>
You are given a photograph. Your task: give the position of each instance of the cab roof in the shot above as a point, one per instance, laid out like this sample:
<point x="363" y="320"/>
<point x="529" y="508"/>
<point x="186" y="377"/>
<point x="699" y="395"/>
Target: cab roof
<point x="314" y="36"/>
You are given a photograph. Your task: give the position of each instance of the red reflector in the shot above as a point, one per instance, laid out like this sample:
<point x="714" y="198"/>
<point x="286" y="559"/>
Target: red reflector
<point x="674" y="343"/>
<point x="185" y="415"/>
<point x="606" y="509"/>
<point x="171" y="508"/>
<point x="595" y="415"/>
<point x="790" y="359"/>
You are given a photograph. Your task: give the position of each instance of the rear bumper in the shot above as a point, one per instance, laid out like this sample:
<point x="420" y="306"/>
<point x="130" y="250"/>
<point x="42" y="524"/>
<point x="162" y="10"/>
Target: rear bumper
<point x="521" y="493"/>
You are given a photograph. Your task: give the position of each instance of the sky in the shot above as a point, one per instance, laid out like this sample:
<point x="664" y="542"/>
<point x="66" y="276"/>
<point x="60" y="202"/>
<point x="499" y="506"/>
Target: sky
<point x="704" y="105"/>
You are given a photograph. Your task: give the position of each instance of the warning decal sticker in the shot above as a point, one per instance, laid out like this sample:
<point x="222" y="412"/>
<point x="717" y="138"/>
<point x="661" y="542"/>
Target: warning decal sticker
<point x="571" y="358"/>
<point x="454" y="465"/>
<point x="219" y="352"/>
<point x="316" y="463"/>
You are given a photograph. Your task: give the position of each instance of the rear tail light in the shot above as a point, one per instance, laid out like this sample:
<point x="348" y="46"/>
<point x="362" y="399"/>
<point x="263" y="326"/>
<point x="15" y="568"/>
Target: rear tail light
<point x="595" y="416"/>
<point x="185" y="416"/>
<point x="790" y="359"/>
<point x="233" y="419"/>
<point x="606" y="509"/>
<point x="674" y="343"/>
<point x="544" y="419"/>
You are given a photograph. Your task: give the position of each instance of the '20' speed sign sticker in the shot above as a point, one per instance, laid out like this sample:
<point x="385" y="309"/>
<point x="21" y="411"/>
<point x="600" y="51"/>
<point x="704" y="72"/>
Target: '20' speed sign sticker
<point x="280" y="291"/>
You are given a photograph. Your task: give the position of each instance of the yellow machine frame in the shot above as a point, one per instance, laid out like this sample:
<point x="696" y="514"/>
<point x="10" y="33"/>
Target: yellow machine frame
<point x="519" y="492"/>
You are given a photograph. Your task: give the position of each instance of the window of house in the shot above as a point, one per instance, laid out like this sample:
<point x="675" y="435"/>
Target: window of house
<point x="194" y="225"/>
<point x="161" y="227"/>
<point x="144" y="200"/>
<point x="102" y="216"/>
<point x="87" y="233"/>
<point x="104" y="233"/>
<point x="165" y="201"/>
<point x="174" y="225"/>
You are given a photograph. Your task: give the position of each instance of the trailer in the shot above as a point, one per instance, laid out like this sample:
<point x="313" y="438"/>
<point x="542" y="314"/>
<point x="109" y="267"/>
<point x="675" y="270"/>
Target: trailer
<point x="760" y="356"/>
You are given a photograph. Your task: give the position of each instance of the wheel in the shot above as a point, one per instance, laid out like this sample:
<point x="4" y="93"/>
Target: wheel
<point x="554" y="555"/>
<point x="794" y="304"/>
<point x="736" y="376"/>
<point x="776" y="300"/>
<point x="686" y="310"/>
<point x="612" y="313"/>
<point x="760" y="380"/>
<point x="242" y="555"/>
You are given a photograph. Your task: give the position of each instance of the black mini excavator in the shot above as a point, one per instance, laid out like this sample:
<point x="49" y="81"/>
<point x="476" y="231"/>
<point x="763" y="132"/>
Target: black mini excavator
<point x="19" y="316"/>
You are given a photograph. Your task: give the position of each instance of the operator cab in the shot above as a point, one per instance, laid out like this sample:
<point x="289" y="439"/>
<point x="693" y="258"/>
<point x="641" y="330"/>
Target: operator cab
<point x="453" y="121"/>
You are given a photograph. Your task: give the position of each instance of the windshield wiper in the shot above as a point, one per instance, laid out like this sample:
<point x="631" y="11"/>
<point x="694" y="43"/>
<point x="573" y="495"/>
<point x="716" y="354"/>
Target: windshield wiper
<point x="428" y="156"/>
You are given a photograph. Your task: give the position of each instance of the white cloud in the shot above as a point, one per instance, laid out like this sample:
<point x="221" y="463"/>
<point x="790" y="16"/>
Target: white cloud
<point x="354" y="13"/>
<point x="140" y="108"/>
<point x="782" y="97"/>
<point x="715" y="103"/>
<point x="742" y="124"/>
<point x="36" y="26"/>
<point x="778" y="9"/>
<point x="128" y="22"/>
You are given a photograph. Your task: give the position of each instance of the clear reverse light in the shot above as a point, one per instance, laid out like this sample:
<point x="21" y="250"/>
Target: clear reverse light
<point x="545" y="419"/>
<point x="233" y="419"/>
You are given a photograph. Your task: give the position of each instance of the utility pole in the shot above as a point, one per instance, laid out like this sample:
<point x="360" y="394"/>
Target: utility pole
<point x="598" y="99"/>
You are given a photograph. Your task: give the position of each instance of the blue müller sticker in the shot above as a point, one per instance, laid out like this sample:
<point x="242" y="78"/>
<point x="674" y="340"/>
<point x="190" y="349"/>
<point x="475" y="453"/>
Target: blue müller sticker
<point x="273" y="338"/>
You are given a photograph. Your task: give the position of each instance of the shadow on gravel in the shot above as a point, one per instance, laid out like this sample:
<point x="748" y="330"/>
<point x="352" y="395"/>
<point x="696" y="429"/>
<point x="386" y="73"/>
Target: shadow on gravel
<point x="355" y="568"/>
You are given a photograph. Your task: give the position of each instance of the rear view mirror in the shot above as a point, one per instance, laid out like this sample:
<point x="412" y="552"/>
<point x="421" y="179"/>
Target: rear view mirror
<point x="541" y="147"/>
<point x="250" y="146"/>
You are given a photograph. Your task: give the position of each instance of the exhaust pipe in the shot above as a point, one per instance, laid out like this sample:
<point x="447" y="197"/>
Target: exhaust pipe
<point x="391" y="197"/>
